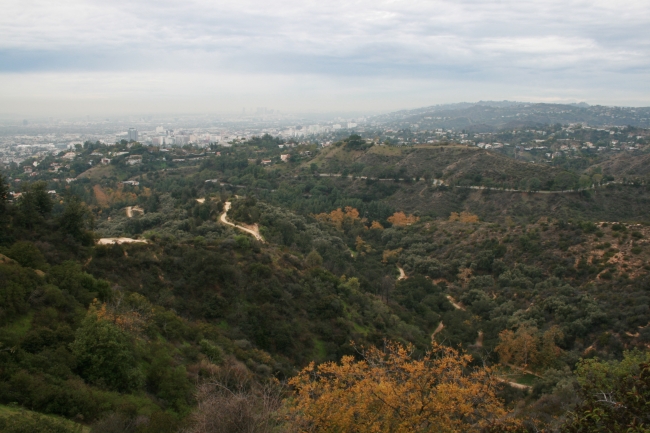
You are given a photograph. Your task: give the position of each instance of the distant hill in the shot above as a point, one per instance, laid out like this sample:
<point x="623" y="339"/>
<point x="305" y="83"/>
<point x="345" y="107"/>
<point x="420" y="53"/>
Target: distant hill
<point x="485" y="116"/>
<point x="460" y="167"/>
<point x="629" y="166"/>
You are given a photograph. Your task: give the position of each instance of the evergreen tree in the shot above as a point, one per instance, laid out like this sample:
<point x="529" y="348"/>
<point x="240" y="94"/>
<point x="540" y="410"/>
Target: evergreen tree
<point x="35" y="204"/>
<point x="4" y="194"/>
<point x="74" y="219"/>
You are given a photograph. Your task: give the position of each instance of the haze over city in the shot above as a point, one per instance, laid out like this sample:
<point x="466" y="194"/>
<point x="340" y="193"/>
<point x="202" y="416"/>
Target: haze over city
<point x="75" y="58"/>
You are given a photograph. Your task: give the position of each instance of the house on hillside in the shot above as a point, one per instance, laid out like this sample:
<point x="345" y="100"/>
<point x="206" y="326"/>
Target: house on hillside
<point x="134" y="159"/>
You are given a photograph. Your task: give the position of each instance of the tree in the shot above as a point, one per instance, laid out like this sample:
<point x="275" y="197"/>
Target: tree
<point x="390" y="390"/>
<point x="28" y="255"/>
<point x="314" y="259"/>
<point x="34" y="204"/>
<point x="534" y="184"/>
<point x="74" y="219"/>
<point x="527" y="348"/>
<point x="615" y="396"/>
<point x="338" y="217"/>
<point x="355" y="142"/>
<point x="519" y="348"/>
<point x="584" y="181"/>
<point x="400" y="219"/>
<point x="376" y="225"/>
<point x="105" y="355"/>
<point x="468" y="217"/>
<point x="464" y="217"/>
<point x="597" y="178"/>
<point x="4" y="194"/>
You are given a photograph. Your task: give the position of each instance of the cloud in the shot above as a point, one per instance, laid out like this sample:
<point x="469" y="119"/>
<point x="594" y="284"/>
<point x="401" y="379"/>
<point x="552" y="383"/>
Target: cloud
<point x="597" y="48"/>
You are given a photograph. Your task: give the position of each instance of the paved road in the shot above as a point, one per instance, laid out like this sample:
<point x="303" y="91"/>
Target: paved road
<point x="223" y="219"/>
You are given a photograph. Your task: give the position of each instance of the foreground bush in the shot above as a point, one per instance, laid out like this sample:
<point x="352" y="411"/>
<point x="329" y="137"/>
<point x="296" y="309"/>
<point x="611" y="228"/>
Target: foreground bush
<point x="390" y="390"/>
<point x="26" y="422"/>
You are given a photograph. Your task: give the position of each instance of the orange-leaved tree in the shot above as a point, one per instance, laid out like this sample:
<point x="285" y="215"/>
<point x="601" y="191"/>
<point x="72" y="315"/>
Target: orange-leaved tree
<point x="528" y="348"/>
<point x="376" y="225"/>
<point x="389" y="390"/>
<point x="401" y="219"/>
<point x="464" y="217"/>
<point x="338" y="216"/>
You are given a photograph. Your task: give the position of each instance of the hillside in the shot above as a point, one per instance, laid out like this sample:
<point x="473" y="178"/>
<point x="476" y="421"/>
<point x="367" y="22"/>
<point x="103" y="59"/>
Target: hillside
<point x="359" y="247"/>
<point x="635" y="167"/>
<point x="490" y="116"/>
<point x="453" y="164"/>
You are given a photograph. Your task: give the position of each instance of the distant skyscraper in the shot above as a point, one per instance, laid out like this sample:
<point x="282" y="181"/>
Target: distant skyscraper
<point x="133" y="134"/>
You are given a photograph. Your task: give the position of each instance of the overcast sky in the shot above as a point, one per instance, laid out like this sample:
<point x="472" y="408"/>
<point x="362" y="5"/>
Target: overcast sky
<point x="109" y="57"/>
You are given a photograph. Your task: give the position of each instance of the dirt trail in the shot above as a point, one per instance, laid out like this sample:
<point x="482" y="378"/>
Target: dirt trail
<point x="514" y="384"/>
<point x="479" y="340"/>
<point x="402" y="274"/>
<point x="438" y="329"/>
<point x="108" y="241"/>
<point x="253" y="231"/>
<point x="454" y="303"/>
<point x="523" y="370"/>
<point x="131" y="209"/>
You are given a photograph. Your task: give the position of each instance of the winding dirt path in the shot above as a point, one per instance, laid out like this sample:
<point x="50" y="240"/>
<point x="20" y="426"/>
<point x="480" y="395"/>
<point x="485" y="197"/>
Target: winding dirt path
<point x="454" y="303"/>
<point x="254" y="231"/>
<point x="438" y="329"/>
<point x="514" y="384"/>
<point x="479" y="340"/>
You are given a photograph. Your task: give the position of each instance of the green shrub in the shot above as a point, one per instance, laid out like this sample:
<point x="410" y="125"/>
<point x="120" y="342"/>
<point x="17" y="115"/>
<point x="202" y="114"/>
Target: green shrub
<point x="25" y="422"/>
<point x="213" y="352"/>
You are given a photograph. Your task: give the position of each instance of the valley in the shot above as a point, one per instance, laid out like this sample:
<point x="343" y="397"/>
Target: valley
<point x="131" y="289"/>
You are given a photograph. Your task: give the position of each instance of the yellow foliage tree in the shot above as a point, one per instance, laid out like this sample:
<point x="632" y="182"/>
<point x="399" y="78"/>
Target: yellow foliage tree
<point x="518" y="348"/>
<point x="376" y="225"/>
<point x="526" y="347"/>
<point x="362" y="246"/>
<point x="338" y="216"/>
<point x="464" y="217"/>
<point x="390" y="391"/>
<point x="351" y="213"/>
<point x="400" y="219"/>
<point x="390" y="256"/>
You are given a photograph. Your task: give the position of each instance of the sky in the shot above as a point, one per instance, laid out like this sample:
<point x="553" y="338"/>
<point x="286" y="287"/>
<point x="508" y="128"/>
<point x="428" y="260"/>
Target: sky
<point x="74" y="57"/>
